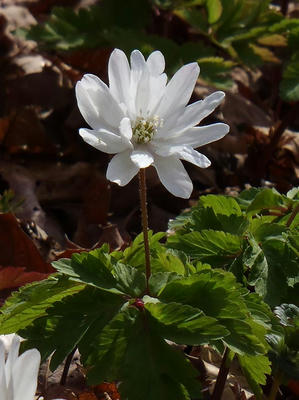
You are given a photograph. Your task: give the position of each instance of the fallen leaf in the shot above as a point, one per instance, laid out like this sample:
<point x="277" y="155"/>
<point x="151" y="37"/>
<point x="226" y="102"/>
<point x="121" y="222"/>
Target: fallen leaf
<point x="23" y="132"/>
<point x="14" y="277"/>
<point x="87" y="396"/>
<point x="17" y="249"/>
<point x="109" y="388"/>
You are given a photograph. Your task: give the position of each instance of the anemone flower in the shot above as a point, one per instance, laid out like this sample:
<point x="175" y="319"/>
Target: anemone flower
<point x="145" y="120"/>
<point x="18" y="374"/>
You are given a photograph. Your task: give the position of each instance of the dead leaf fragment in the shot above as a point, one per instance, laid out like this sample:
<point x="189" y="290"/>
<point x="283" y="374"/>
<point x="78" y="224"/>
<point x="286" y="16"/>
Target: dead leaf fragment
<point x="14" y="277"/>
<point x="17" y="249"/>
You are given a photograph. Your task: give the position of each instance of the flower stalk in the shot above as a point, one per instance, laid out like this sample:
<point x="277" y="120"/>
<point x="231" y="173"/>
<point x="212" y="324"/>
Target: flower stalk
<point x="144" y="219"/>
<point x="222" y="375"/>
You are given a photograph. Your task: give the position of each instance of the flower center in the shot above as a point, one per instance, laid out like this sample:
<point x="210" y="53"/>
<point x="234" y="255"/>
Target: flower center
<point x="145" y="129"/>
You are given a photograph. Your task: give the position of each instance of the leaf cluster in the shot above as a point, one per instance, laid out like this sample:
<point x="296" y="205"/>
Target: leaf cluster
<point x="98" y="302"/>
<point x="284" y="351"/>
<point x="225" y="33"/>
<point x="255" y="236"/>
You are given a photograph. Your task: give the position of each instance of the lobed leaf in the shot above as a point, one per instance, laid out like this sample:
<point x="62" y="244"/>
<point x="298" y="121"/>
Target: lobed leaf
<point x="32" y="301"/>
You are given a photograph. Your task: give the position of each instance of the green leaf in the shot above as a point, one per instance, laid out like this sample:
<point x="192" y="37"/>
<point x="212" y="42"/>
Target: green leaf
<point x="242" y="338"/>
<point x="159" y="280"/>
<point x="259" y="310"/>
<point x="289" y="85"/>
<point x="72" y="322"/>
<point x="214" y="247"/>
<point x="195" y="17"/>
<point x="214" y="8"/>
<point x="255" y="369"/>
<point x="216" y="71"/>
<point x="130" y="280"/>
<point x="134" y="255"/>
<point x="32" y="301"/>
<point x="164" y="260"/>
<point x="127" y="348"/>
<point x="246" y="197"/>
<point x="266" y="200"/>
<point x="92" y="268"/>
<point x="225" y="205"/>
<point x="293" y="193"/>
<point x="220" y="213"/>
<point x="217" y="294"/>
<point x="287" y="314"/>
<point x="66" y="29"/>
<point x="273" y="262"/>
<point x="185" y="324"/>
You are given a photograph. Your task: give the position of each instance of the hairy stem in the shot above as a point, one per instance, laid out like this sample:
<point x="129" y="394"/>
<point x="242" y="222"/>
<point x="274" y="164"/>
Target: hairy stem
<point x="67" y="366"/>
<point x="144" y="217"/>
<point x="222" y="375"/>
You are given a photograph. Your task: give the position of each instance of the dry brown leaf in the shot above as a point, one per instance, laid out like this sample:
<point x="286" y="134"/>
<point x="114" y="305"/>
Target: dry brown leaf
<point x="14" y="277"/>
<point x="17" y="249"/>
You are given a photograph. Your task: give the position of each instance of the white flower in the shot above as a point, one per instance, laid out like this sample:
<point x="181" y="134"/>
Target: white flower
<point x="7" y="341"/>
<point x="146" y="121"/>
<point x="18" y="374"/>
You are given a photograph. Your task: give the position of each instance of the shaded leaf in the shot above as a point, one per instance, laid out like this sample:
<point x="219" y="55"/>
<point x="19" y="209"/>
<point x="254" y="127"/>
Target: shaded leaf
<point x="74" y="321"/>
<point x="255" y="369"/>
<point x="32" y="301"/>
<point x="185" y="324"/>
<point x="126" y="342"/>
<point x="213" y="247"/>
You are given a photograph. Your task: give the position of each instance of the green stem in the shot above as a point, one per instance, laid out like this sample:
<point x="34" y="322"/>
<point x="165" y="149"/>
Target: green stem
<point x="275" y="385"/>
<point x="222" y="375"/>
<point x="144" y="217"/>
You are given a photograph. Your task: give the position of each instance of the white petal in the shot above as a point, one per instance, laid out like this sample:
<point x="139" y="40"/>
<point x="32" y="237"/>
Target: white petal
<point x="137" y="60"/>
<point x="24" y="376"/>
<point x="104" y="140"/>
<point x="179" y="89"/>
<point x="96" y="103"/>
<point x="156" y="63"/>
<point x="194" y="157"/>
<point x="125" y="128"/>
<point x="119" y="76"/>
<point x="157" y="86"/>
<point x="173" y="176"/>
<point x="192" y="115"/>
<point x="7" y="340"/>
<point x="186" y="153"/>
<point x="143" y="93"/>
<point x="3" y="387"/>
<point x="200" y="135"/>
<point x="142" y="158"/>
<point x="121" y="169"/>
<point x="12" y="356"/>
